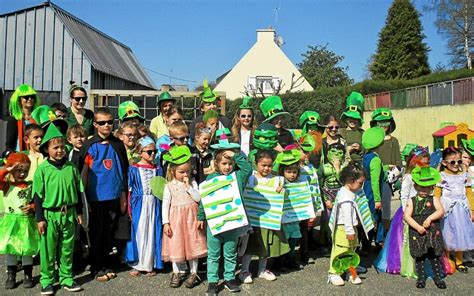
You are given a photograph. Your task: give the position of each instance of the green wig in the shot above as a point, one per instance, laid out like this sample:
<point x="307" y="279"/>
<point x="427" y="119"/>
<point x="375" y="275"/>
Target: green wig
<point x="15" y="102"/>
<point x="210" y="114"/>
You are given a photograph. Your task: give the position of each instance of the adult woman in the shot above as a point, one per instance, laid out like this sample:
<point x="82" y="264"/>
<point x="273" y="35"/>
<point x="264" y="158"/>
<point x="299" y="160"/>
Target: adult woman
<point x="22" y="103"/>
<point x="77" y="113"/>
<point x="244" y="125"/>
<point x="332" y="136"/>
<point x="158" y="125"/>
<point x="353" y="118"/>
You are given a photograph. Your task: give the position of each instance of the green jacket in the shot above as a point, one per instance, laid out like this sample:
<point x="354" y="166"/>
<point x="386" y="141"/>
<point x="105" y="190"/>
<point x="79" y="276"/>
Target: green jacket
<point x="245" y="169"/>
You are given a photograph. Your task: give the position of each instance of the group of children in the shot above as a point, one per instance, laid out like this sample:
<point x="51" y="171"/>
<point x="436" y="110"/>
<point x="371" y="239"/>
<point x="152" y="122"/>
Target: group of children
<point x="147" y="201"/>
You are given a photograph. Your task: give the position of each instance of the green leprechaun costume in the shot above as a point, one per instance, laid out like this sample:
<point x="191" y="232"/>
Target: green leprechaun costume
<point x="57" y="188"/>
<point x="353" y="117"/>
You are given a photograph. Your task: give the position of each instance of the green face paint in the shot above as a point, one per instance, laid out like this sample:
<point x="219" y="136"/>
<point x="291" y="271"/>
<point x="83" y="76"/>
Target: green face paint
<point x="335" y="153"/>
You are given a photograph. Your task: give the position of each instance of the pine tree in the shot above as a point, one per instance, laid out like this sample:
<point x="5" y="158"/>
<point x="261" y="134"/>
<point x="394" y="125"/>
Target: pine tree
<point x="401" y="52"/>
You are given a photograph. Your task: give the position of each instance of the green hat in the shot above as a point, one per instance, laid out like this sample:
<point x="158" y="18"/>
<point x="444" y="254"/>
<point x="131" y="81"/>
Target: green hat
<point x="310" y="118"/>
<point x="51" y="133"/>
<point x="468" y="146"/>
<point x="425" y="176"/>
<point x="207" y="95"/>
<point x="407" y="149"/>
<point x="307" y="143"/>
<point x="265" y="136"/>
<point x="209" y="114"/>
<point x="165" y="96"/>
<point x="288" y="157"/>
<point x="383" y="114"/>
<point x="224" y="143"/>
<point x="177" y="155"/>
<point x="373" y="138"/>
<point x="246" y="103"/>
<point x="44" y="115"/>
<point x="342" y="262"/>
<point x="272" y="107"/>
<point x="354" y="107"/>
<point x="128" y="110"/>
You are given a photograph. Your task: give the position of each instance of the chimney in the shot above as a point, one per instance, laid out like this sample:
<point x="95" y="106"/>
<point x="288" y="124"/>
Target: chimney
<point x="266" y="35"/>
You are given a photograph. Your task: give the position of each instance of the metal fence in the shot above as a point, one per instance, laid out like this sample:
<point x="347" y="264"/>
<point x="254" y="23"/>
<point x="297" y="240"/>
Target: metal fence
<point x="147" y="101"/>
<point x="460" y="91"/>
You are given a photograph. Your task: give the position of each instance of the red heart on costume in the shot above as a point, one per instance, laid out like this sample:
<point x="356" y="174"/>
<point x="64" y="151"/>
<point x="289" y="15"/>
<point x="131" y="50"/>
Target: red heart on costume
<point x="107" y="163"/>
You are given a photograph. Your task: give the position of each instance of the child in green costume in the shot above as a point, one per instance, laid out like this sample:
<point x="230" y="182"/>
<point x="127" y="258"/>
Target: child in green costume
<point x="225" y="161"/>
<point x="57" y="188"/>
<point x="20" y="238"/>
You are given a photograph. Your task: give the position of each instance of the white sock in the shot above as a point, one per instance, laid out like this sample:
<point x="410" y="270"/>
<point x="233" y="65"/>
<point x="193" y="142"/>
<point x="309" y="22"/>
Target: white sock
<point x="175" y="267"/>
<point x="262" y="264"/>
<point x="246" y="259"/>
<point x="193" y="265"/>
<point x="11" y="260"/>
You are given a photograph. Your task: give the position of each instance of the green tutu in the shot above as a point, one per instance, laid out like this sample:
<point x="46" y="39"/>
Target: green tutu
<point x="19" y="235"/>
<point x="267" y="243"/>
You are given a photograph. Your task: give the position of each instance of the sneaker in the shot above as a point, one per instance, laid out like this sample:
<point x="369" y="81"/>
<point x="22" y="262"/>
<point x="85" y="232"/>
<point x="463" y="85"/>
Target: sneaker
<point x="75" y="287"/>
<point x="192" y="281"/>
<point x="232" y="286"/>
<point x="335" y="280"/>
<point x="440" y="284"/>
<point x="10" y="283"/>
<point x="48" y="290"/>
<point x="267" y="275"/>
<point x="245" y="277"/>
<point x="28" y="282"/>
<point x="355" y="280"/>
<point x="212" y="289"/>
<point x="175" y="281"/>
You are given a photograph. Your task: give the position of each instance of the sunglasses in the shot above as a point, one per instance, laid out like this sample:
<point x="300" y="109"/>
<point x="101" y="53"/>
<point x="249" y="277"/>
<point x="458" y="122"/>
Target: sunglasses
<point x="30" y="97"/>
<point x="78" y="99"/>
<point x="181" y="139"/>
<point x="150" y="152"/>
<point x="130" y="135"/>
<point x="454" y="162"/>
<point x="336" y="127"/>
<point x="102" y="123"/>
<point x="245" y="116"/>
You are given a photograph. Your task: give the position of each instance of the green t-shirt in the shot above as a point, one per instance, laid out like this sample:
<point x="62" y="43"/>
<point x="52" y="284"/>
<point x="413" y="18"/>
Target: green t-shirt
<point x="57" y="187"/>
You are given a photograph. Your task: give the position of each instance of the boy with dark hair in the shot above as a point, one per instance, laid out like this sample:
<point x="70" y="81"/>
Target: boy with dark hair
<point x="104" y="165"/>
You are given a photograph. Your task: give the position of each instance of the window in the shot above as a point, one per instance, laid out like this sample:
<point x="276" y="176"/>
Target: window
<point x="267" y="83"/>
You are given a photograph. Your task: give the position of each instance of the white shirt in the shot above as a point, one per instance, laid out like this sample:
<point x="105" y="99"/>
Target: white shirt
<point x="407" y="191"/>
<point x="245" y="141"/>
<point x="347" y="214"/>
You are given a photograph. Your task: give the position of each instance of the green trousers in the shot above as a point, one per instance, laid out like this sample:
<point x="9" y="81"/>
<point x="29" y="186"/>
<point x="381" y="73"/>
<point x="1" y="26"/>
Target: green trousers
<point x="227" y="242"/>
<point x="58" y="240"/>
<point x="341" y="245"/>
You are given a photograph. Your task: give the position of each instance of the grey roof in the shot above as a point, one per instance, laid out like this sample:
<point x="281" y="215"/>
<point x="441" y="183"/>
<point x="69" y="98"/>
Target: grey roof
<point x="105" y="53"/>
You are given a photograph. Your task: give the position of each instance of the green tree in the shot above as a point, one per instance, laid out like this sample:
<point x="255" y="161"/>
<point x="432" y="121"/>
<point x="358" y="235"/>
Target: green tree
<point x="455" y="22"/>
<point x="401" y="52"/>
<point x="320" y="67"/>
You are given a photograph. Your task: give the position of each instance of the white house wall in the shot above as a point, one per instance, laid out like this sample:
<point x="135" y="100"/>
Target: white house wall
<point x="37" y="49"/>
<point x="265" y="58"/>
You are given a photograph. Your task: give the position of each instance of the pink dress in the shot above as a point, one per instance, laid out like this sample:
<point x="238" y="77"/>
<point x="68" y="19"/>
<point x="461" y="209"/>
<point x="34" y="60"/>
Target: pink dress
<point x="180" y="207"/>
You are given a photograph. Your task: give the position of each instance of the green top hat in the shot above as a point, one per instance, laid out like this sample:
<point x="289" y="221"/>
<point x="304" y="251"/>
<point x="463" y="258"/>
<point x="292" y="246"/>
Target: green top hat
<point x="221" y="135"/>
<point x="468" y="146"/>
<point x="354" y="107"/>
<point x="207" y="95"/>
<point x="272" y="107"/>
<point x="128" y="110"/>
<point x="407" y="149"/>
<point x="177" y="155"/>
<point x="425" y="176"/>
<point x="288" y="157"/>
<point x="342" y="262"/>
<point x="246" y="103"/>
<point x="165" y="96"/>
<point x="308" y="143"/>
<point x="51" y="133"/>
<point x="373" y="138"/>
<point x="44" y="115"/>
<point x="265" y="136"/>
<point x="310" y="118"/>
<point x="383" y="114"/>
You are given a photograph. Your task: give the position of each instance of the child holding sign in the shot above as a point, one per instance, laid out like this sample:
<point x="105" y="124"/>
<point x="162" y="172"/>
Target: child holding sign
<point x="225" y="161"/>
<point x="181" y="241"/>
<point x="265" y="241"/>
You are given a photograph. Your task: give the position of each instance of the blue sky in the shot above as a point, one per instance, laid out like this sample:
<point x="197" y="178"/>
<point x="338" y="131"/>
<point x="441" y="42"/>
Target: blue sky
<point x="195" y="40"/>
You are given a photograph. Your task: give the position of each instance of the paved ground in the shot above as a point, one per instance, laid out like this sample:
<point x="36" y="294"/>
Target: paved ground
<point x="310" y="280"/>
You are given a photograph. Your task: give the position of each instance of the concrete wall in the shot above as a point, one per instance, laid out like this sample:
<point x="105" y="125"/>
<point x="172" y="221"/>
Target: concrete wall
<point x="416" y="125"/>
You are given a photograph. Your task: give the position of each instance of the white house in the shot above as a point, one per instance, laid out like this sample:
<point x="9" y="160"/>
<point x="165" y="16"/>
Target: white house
<point x="266" y="66"/>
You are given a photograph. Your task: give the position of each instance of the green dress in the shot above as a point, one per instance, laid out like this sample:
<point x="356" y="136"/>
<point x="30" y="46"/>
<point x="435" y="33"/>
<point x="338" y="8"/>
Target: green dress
<point x="19" y="232"/>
